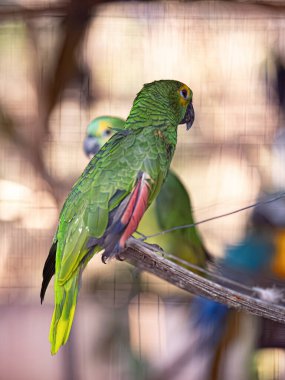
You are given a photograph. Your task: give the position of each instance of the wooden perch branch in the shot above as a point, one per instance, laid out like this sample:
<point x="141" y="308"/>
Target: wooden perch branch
<point x="143" y="256"/>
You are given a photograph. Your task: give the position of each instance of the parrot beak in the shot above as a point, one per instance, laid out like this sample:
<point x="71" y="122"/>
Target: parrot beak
<point x="189" y="116"/>
<point x="90" y="146"/>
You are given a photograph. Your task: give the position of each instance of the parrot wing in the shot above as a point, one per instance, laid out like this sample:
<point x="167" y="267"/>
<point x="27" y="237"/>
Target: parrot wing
<point x="104" y="215"/>
<point x="86" y="210"/>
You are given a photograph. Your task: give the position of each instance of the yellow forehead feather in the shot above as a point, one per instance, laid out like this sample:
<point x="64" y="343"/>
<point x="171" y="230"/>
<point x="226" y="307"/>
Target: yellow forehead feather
<point x="103" y="125"/>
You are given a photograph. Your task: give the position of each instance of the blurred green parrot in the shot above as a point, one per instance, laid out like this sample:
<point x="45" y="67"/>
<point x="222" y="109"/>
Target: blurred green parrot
<point x="171" y="208"/>
<point x="109" y="199"/>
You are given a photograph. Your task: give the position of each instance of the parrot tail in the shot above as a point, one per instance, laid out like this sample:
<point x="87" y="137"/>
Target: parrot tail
<point x="65" y="304"/>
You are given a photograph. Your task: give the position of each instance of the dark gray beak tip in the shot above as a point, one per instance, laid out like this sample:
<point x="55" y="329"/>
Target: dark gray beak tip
<point x="90" y="146"/>
<point x="189" y="125"/>
<point x="189" y="117"/>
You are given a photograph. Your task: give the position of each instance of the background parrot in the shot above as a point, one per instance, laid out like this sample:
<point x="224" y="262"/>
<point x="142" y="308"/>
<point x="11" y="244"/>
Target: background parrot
<point x="221" y="335"/>
<point x="171" y="208"/>
<point x="107" y="202"/>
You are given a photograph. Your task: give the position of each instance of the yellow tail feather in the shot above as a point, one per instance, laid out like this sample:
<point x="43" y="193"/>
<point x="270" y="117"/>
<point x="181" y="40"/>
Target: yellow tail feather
<point x="65" y="304"/>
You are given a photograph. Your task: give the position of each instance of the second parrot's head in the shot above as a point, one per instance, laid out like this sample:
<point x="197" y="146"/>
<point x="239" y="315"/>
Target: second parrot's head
<point x="99" y="131"/>
<point x="165" y="102"/>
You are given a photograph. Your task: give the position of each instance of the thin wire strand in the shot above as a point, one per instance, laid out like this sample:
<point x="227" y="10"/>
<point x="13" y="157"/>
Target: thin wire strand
<point x="188" y="265"/>
<point x="212" y="275"/>
<point x="207" y="272"/>
<point x="281" y="195"/>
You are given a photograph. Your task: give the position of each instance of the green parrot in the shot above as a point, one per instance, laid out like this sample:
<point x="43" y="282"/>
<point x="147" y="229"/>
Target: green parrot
<point x="171" y="208"/>
<point x="109" y="199"/>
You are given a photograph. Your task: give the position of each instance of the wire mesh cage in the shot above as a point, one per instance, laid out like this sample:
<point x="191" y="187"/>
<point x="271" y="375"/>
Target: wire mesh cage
<point x="63" y="64"/>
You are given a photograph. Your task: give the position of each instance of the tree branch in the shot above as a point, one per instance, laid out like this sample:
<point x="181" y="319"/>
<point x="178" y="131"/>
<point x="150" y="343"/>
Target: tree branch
<point x="145" y="257"/>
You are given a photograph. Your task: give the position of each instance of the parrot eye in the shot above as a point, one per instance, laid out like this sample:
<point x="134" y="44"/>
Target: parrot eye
<point x="107" y="132"/>
<point x="184" y="93"/>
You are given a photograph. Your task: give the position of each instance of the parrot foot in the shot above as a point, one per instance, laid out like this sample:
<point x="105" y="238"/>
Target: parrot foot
<point x="120" y="257"/>
<point x="116" y="253"/>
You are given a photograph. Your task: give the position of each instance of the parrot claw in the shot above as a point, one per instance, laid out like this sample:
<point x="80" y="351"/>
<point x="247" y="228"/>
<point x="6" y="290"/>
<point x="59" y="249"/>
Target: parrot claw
<point x="117" y="253"/>
<point x="104" y="258"/>
<point x="120" y="257"/>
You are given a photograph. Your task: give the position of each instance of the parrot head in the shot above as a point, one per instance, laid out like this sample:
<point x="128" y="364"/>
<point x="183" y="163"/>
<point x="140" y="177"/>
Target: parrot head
<point x="99" y="130"/>
<point x="164" y="100"/>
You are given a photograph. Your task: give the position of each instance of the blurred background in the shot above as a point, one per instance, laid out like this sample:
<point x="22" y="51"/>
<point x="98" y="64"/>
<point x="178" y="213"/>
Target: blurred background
<point x="64" y="63"/>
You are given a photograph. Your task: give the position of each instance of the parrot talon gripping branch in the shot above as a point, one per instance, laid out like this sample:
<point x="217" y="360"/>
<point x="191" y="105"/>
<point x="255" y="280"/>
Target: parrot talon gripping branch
<point x="109" y="199"/>
<point x="120" y="256"/>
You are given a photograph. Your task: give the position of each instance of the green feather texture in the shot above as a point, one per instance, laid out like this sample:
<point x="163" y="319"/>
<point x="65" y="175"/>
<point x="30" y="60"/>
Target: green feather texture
<point x="92" y="213"/>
